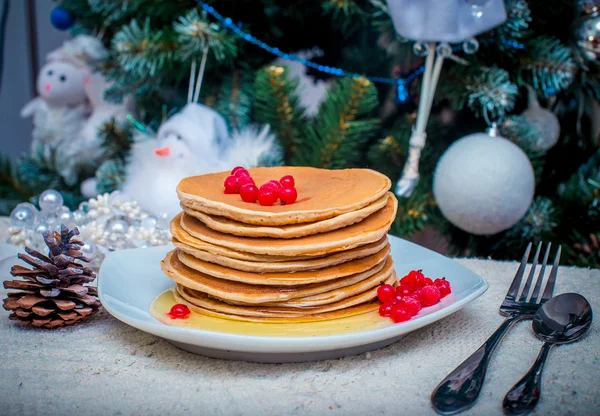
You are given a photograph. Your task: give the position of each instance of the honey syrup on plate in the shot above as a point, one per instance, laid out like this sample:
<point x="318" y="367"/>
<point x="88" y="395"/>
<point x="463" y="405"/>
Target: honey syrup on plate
<point x="358" y="323"/>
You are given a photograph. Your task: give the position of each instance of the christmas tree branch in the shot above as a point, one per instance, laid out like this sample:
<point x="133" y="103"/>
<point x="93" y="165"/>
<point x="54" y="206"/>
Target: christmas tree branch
<point x="276" y="104"/>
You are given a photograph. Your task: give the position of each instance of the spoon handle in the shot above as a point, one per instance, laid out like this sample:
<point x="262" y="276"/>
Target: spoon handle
<point x="524" y="395"/>
<point x="459" y="390"/>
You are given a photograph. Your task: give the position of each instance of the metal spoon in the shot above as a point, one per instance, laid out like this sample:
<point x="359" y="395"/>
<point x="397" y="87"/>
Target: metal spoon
<point x="564" y="318"/>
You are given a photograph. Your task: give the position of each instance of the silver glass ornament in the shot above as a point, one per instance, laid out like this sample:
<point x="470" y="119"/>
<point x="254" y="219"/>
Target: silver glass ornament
<point x="587" y="35"/>
<point x="24" y="215"/>
<point x="50" y="201"/>
<point x="470" y="46"/>
<point x="117" y="226"/>
<point x="421" y="49"/>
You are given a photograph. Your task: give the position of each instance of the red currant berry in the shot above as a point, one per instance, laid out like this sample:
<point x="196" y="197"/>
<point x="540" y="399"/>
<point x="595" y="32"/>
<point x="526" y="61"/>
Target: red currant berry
<point x="386" y="293"/>
<point x="287" y="181"/>
<point x="385" y="309"/>
<point x="276" y="185"/>
<point x="270" y="186"/>
<point x="179" y="311"/>
<point x="249" y="192"/>
<point x="444" y="286"/>
<point x="404" y="290"/>
<point x="430" y="295"/>
<point x="288" y="195"/>
<point x="231" y="185"/>
<point x="412" y="304"/>
<point x="266" y="197"/>
<point x="399" y="314"/>
<point x="428" y="281"/>
<point x="415" y="278"/>
<point x="244" y="180"/>
<point x="241" y="173"/>
<point x="234" y="170"/>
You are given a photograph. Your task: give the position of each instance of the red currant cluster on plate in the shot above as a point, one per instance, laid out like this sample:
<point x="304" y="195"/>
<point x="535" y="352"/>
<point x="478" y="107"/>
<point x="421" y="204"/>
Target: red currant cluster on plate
<point x="179" y="311"/>
<point x="414" y="292"/>
<point x="240" y="182"/>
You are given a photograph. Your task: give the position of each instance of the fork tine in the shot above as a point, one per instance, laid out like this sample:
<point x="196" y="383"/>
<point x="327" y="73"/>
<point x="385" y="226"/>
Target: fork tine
<point x="516" y="283"/>
<point x="552" y="279"/>
<point x="527" y="286"/>
<point x="538" y="285"/>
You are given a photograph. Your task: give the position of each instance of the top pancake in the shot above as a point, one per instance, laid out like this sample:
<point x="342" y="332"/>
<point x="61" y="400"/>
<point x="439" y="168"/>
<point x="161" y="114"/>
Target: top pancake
<point x="371" y="229"/>
<point x="322" y="194"/>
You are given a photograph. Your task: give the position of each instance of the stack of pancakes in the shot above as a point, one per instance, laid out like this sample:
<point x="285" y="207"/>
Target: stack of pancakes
<point x="322" y="257"/>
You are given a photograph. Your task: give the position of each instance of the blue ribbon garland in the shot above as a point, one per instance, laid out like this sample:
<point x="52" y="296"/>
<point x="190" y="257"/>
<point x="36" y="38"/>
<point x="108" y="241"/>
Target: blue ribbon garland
<point x="401" y="83"/>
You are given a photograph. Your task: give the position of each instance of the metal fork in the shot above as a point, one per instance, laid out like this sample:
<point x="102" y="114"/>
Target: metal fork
<point x="459" y="390"/>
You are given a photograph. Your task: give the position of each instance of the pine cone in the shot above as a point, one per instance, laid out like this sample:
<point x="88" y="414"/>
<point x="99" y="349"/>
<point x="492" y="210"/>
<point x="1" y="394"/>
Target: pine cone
<point x="53" y="293"/>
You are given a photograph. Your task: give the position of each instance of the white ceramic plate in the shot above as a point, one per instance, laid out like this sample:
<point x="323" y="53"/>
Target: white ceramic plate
<point x="130" y="280"/>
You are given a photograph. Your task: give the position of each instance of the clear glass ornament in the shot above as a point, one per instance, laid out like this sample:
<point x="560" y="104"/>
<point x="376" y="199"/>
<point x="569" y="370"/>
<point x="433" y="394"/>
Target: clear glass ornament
<point x="116" y="242"/>
<point x="65" y="216"/>
<point x="477" y="7"/>
<point x="444" y="50"/>
<point x="89" y="249"/>
<point x="150" y="222"/>
<point x="50" y="201"/>
<point x="470" y="46"/>
<point x="80" y="217"/>
<point x="42" y="227"/>
<point x="24" y="215"/>
<point x="421" y="49"/>
<point x="117" y="226"/>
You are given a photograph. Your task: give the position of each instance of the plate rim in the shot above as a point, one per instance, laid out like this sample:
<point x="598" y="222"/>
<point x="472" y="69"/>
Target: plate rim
<point x="280" y="344"/>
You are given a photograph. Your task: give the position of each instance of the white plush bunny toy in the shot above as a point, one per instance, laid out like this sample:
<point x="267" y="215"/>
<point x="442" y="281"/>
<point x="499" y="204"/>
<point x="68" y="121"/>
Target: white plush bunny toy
<point x="62" y="107"/>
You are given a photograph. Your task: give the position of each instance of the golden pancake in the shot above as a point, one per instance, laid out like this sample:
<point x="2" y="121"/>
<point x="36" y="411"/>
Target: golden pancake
<point x="185" y="238"/>
<point x="371" y="229"/>
<point x="351" y="311"/>
<point x="201" y="300"/>
<point x="228" y="226"/>
<point x="248" y="293"/>
<point x="336" y="294"/>
<point x="296" y="265"/>
<point x="322" y="194"/>
<point x="285" y="279"/>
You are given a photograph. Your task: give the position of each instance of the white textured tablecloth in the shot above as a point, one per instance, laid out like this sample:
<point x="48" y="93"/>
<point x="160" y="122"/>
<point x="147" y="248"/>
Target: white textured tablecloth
<point x="104" y="367"/>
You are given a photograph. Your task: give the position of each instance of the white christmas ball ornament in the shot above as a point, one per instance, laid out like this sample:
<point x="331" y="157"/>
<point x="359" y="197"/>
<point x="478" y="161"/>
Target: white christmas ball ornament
<point x="484" y="183"/>
<point x="23" y="215"/>
<point x="545" y="122"/>
<point x="50" y="201"/>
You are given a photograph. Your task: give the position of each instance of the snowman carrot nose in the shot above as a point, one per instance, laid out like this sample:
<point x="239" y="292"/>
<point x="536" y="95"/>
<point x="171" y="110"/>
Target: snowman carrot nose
<point x="48" y="87"/>
<point x="162" y="151"/>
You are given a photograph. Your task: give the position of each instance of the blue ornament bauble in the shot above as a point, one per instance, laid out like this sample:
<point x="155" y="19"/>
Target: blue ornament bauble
<point x="61" y="19"/>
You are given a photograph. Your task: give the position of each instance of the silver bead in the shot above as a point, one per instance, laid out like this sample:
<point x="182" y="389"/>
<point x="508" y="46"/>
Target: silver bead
<point x="444" y="50"/>
<point x="470" y="46"/>
<point x="24" y="215"/>
<point x="421" y="49"/>
<point x="50" y="201"/>
<point x="117" y="226"/>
